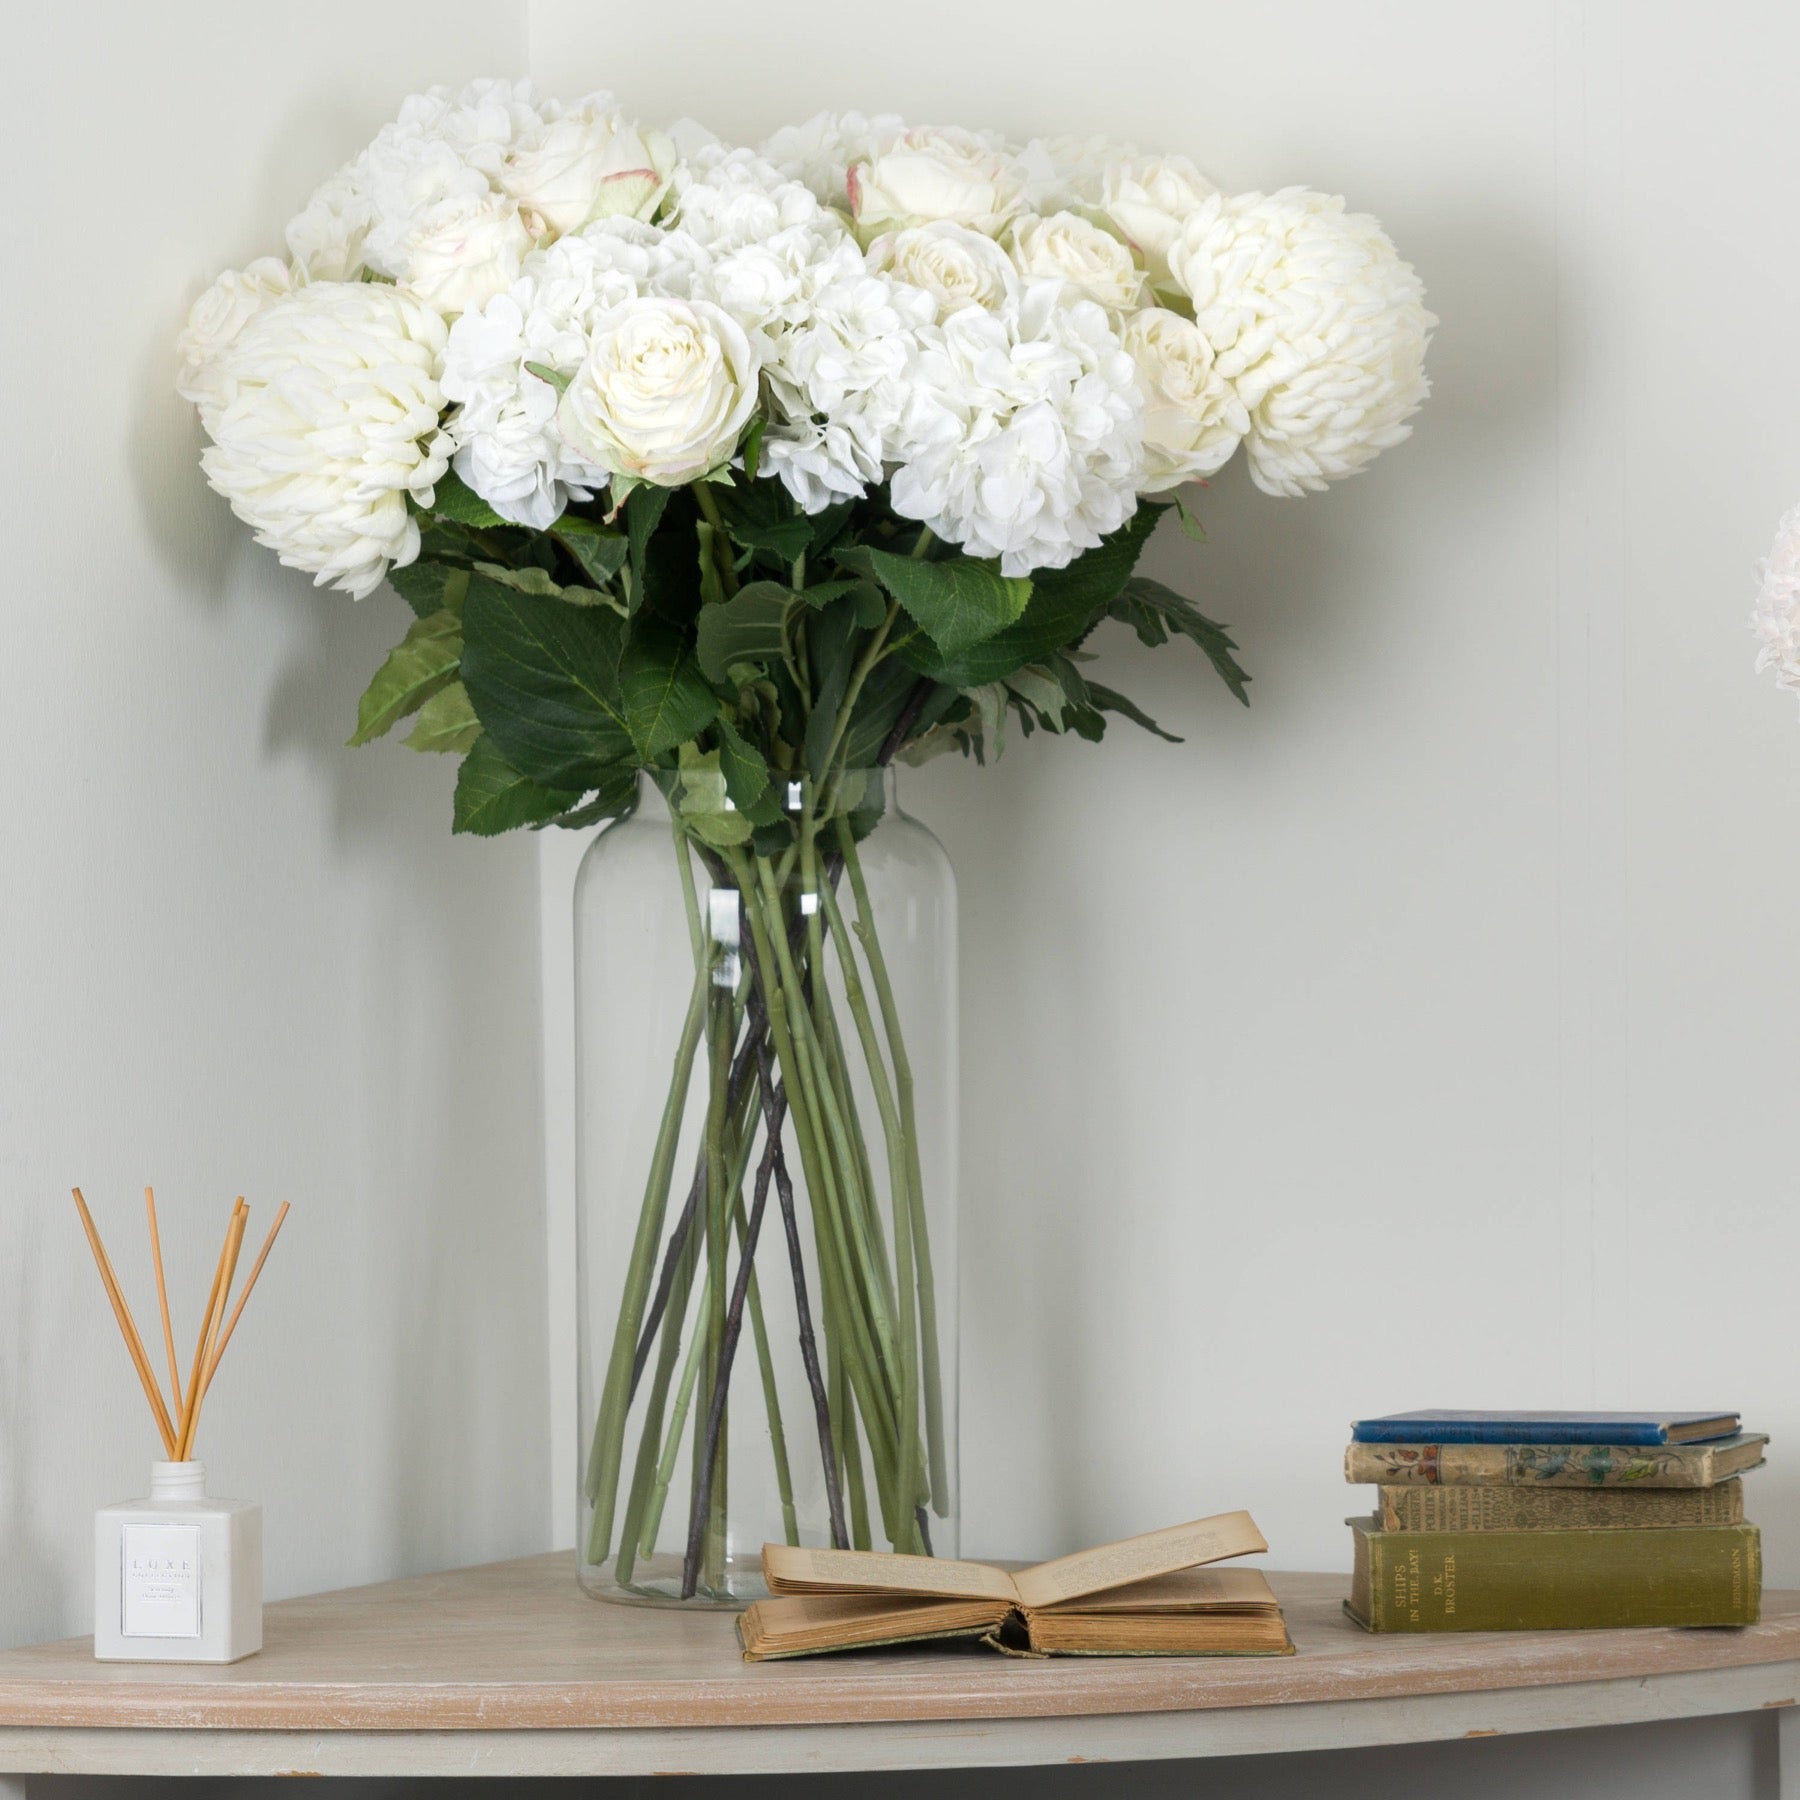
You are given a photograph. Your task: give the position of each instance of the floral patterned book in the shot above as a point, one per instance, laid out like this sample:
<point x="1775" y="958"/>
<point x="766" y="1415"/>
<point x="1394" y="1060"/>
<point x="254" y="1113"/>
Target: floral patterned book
<point x="1555" y="1465"/>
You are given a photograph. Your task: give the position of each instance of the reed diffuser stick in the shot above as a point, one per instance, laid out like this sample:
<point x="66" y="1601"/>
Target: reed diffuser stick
<point x="185" y="1436"/>
<point x="162" y="1299"/>
<point x="262" y="1256"/>
<point x="127" y="1326"/>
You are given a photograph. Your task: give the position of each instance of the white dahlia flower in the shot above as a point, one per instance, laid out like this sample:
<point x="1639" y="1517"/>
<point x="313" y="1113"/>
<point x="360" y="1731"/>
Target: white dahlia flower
<point x="1149" y="199"/>
<point x="1315" y="321"/>
<point x="217" y="317"/>
<point x="665" y="393"/>
<point x="955" y="265"/>
<point x="819" y="153"/>
<point x="967" y="177"/>
<point x="1023" y="437"/>
<point x="325" y="422"/>
<point x="1776" y="618"/>
<point x="1066" y="247"/>
<point x="1193" y="419"/>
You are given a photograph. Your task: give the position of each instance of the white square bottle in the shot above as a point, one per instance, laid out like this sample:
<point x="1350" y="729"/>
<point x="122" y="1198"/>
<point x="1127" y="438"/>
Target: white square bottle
<point x="178" y="1577"/>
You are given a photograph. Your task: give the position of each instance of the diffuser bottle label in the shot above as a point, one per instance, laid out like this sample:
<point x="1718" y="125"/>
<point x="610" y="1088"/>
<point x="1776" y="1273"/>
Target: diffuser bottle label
<point x="161" y="1581"/>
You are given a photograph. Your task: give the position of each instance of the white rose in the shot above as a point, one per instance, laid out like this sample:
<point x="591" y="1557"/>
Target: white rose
<point x="326" y="240"/>
<point x="926" y="174"/>
<point x="1150" y="198"/>
<point x="957" y="267"/>
<point x="464" y="252"/>
<point x="1193" y="418"/>
<point x="589" y="164"/>
<point x="328" y="424"/>
<point x="666" y="391"/>
<point x="1069" y="171"/>
<point x="216" y="319"/>
<point x="1069" y="248"/>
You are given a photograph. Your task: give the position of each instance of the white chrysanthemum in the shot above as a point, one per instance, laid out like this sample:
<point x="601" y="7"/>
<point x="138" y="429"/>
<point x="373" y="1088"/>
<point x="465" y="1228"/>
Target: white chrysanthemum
<point x="327" y="421"/>
<point x="926" y="173"/>
<point x="956" y="266"/>
<point x="841" y="386"/>
<point x="509" y="446"/>
<point x="218" y="316"/>
<point x="1149" y="199"/>
<point x="819" y="154"/>
<point x="1193" y="419"/>
<point x="1066" y="247"/>
<point x="1315" y="321"/>
<point x="1776" y="617"/>
<point x="1023" y="438"/>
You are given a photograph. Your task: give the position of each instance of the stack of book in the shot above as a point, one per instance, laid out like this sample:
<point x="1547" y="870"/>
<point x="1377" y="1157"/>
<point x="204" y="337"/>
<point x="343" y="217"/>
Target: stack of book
<point x="1530" y="1521"/>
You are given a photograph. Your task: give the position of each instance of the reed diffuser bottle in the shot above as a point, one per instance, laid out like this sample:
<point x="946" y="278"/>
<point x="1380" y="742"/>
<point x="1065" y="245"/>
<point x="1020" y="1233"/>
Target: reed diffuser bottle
<point x="177" y="1574"/>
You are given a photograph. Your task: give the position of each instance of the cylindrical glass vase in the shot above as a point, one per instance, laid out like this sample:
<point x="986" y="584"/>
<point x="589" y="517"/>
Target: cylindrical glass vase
<point x="766" y="1095"/>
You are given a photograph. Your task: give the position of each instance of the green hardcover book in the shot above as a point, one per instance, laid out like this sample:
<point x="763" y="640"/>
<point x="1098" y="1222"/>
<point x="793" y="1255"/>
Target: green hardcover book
<point x="1549" y="1580"/>
<point x="1558" y="1508"/>
<point x="1554" y="1465"/>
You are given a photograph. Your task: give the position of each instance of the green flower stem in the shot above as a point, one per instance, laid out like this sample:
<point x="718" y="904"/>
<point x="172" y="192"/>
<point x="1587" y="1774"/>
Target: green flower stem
<point x="718" y="1250"/>
<point x="659" y="1493"/>
<point x="853" y="1473"/>
<point x="903" y="1085"/>
<point x="615" y="1397"/>
<point x="709" y="510"/>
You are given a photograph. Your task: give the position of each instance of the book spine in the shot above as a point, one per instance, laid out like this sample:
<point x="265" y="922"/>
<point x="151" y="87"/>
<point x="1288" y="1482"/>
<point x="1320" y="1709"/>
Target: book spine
<point x="1558" y="1509"/>
<point x="1550" y="1580"/>
<point x="1530" y="1465"/>
<point x="1635" y="1432"/>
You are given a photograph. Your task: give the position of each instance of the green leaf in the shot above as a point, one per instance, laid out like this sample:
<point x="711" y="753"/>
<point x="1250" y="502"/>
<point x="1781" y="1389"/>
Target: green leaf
<point x="750" y="627"/>
<point x="429" y="587"/>
<point x="1043" y="692"/>
<point x="492" y="796"/>
<point x="643" y="513"/>
<point x="600" y="549"/>
<point x="957" y="602"/>
<point x="752" y="446"/>
<point x="832" y="636"/>
<point x="544" y="679"/>
<point x="702" y="803"/>
<point x="555" y="377"/>
<point x="786" y="538"/>
<point x="447" y="722"/>
<point x="712" y="583"/>
<point x="666" y="697"/>
<point x="1190" y="526"/>
<point x="746" y="772"/>
<point x="528" y="580"/>
<point x="822" y="593"/>
<point x="453" y="500"/>
<point x="616" y="796"/>
<point x="1156" y="613"/>
<point x="1110" y="700"/>
<point x="421" y="663"/>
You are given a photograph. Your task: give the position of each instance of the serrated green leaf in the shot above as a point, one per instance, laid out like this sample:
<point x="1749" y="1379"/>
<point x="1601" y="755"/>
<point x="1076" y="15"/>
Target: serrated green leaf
<point x="446" y="722"/>
<point x="957" y="602"/>
<point x="544" y="679"/>
<point x="452" y="499"/>
<point x="750" y="627"/>
<point x="666" y="697"/>
<point x="421" y="663"/>
<point x="492" y="796"/>
<point x="832" y="640"/>
<point x="528" y="580"/>
<point x="822" y="593"/>
<point x="1154" y="612"/>
<point x="613" y="799"/>
<point x="600" y="549"/>
<point x="1110" y="700"/>
<point x="643" y="513"/>
<point x="429" y="587"/>
<point x="746" y="772"/>
<point x="702" y="804"/>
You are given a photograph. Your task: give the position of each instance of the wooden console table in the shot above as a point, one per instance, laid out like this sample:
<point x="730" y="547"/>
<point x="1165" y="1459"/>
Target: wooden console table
<point x="511" y="1670"/>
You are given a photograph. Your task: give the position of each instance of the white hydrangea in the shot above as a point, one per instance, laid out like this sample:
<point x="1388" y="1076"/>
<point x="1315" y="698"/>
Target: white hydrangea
<point x="217" y="317"/>
<point x="509" y="447"/>
<point x="1024" y="433"/>
<point x="325" y="423"/>
<point x="1776" y="616"/>
<point x="1316" y="322"/>
<point x="819" y="154"/>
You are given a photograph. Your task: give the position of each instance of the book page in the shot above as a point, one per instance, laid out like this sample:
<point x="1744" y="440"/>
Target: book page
<point x="791" y="1569"/>
<point x="807" y="1624"/>
<point x="1187" y="1590"/>
<point x="1138" y="1558"/>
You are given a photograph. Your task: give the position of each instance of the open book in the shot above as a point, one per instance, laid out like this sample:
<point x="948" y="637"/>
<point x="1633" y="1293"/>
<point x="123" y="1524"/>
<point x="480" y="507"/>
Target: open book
<point x="1143" y="1596"/>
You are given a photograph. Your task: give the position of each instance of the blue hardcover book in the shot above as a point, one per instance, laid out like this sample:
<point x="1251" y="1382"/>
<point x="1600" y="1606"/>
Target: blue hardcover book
<point x="1545" y="1428"/>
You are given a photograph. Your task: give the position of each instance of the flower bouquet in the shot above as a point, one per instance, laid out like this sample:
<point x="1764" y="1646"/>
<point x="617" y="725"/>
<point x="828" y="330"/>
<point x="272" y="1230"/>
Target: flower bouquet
<point x="751" y="471"/>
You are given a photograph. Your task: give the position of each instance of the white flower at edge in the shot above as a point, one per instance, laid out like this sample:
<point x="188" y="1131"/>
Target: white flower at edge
<point x="926" y="173"/>
<point x="955" y="265"/>
<point x="1069" y="172"/>
<point x="665" y="393"/>
<point x="1193" y="419"/>
<point x="325" y="423"/>
<point x="217" y="317"/>
<point x="1149" y="199"/>
<point x="1776" y="616"/>
<point x="588" y="163"/>
<point x="819" y="153"/>
<point x="1316" y="322"/>
<point x="1066" y="247"/>
<point x="326" y="239"/>
<point x="463" y="252"/>
<point x="1023" y="436"/>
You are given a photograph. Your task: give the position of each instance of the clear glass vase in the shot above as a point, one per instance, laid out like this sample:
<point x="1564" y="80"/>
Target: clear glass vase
<point x="767" y="1322"/>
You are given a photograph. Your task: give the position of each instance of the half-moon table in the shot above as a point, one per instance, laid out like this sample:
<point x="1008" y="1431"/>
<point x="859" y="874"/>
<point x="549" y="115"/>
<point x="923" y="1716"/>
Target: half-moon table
<point x="511" y="1670"/>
